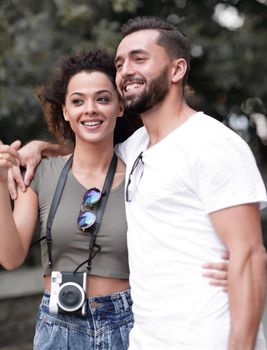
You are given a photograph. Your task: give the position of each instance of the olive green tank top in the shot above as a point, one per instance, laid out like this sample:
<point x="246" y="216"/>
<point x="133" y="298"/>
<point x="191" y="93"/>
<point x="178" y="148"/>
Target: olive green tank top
<point x="69" y="243"/>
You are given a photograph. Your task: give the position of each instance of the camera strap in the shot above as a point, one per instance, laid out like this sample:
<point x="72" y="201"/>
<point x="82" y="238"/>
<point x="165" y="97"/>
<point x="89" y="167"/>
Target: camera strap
<point x="99" y="212"/>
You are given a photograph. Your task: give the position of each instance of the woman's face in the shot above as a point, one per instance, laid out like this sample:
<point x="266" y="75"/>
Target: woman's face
<point x="92" y="106"/>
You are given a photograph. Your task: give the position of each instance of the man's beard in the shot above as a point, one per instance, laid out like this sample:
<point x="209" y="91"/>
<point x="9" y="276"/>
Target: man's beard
<point x="155" y="93"/>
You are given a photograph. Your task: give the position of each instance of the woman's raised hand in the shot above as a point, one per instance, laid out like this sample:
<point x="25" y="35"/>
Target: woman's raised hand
<point x="9" y="156"/>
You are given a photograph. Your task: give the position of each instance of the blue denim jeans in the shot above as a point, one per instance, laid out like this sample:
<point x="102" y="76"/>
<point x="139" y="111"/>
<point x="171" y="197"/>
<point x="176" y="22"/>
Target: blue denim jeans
<point x="105" y="326"/>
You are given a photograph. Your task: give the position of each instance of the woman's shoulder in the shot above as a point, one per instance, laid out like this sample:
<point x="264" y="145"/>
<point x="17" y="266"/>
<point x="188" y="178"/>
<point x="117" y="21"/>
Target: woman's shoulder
<point x="48" y="172"/>
<point x="51" y="166"/>
<point x="53" y="162"/>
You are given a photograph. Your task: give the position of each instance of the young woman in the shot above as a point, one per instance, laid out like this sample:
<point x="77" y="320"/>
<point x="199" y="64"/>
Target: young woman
<point x="81" y="104"/>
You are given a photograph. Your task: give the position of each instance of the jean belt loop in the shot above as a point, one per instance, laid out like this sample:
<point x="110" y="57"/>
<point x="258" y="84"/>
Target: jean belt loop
<point x="125" y="301"/>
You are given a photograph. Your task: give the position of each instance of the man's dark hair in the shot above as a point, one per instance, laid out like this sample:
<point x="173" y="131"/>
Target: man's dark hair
<point x="174" y="42"/>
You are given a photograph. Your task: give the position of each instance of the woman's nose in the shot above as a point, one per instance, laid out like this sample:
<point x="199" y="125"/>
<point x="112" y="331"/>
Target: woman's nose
<point x="90" y="107"/>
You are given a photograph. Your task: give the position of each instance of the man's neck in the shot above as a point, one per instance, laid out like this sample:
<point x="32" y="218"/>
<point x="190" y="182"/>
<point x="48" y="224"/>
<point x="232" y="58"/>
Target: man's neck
<point x="165" y="117"/>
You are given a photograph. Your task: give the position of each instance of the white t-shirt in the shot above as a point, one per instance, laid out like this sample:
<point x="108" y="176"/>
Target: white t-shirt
<point x="200" y="167"/>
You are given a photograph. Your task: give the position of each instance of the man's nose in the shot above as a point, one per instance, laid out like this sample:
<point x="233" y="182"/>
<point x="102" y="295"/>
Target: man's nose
<point x="127" y="68"/>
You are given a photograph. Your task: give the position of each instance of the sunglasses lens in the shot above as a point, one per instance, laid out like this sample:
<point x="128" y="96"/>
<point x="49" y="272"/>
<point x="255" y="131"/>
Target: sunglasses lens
<point x="86" y="219"/>
<point x="91" y="196"/>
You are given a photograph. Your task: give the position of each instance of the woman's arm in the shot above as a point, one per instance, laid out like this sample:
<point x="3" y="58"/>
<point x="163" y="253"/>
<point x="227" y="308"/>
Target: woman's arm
<point x="17" y="228"/>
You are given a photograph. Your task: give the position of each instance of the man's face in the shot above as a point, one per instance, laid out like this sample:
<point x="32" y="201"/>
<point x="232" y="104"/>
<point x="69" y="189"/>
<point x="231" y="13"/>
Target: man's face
<point x="142" y="71"/>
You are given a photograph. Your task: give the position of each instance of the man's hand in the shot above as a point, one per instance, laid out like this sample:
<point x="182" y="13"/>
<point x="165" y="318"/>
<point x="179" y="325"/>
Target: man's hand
<point x="218" y="272"/>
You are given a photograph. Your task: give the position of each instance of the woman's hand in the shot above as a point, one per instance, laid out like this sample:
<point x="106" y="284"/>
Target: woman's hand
<point x="218" y="272"/>
<point x="9" y="157"/>
<point x="30" y="157"/>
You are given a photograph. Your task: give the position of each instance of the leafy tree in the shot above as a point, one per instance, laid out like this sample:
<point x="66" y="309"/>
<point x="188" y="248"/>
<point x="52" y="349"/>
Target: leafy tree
<point x="228" y="71"/>
<point x="228" y="76"/>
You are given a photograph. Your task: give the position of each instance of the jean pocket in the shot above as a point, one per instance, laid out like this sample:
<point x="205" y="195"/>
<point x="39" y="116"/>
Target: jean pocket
<point x="41" y="333"/>
<point x="125" y="330"/>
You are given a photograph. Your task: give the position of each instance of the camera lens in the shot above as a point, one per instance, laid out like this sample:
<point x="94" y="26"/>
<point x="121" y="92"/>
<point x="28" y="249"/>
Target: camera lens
<point x="71" y="296"/>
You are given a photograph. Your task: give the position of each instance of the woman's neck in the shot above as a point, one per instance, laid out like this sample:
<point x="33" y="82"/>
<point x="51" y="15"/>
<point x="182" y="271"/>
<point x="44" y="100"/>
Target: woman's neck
<point x="91" y="162"/>
<point x="90" y="158"/>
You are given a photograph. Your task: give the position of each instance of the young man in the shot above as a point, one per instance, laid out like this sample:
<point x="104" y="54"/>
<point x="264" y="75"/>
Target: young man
<point x="192" y="190"/>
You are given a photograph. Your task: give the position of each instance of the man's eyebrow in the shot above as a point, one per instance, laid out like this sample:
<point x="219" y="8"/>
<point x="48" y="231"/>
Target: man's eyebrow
<point x="117" y="58"/>
<point x="131" y="53"/>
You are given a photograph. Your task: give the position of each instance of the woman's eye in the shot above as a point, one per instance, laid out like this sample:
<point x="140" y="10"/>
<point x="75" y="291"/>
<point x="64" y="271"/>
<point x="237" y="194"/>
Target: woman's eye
<point x="77" y="101"/>
<point x="103" y="99"/>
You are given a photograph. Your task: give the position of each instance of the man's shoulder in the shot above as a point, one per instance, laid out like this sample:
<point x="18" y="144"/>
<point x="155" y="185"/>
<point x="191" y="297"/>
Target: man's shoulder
<point x="137" y="141"/>
<point x="138" y="136"/>
<point x="206" y="130"/>
<point x="204" y="123"/>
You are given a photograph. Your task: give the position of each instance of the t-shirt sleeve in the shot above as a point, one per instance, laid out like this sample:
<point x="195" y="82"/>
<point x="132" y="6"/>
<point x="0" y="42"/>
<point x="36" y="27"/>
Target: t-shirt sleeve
<point x="227" y="175"/>
<point x="130" y="148"/>
<point x="125" y="149"/>
<point x="34" y="185"/>
<point x="120" y="151"/>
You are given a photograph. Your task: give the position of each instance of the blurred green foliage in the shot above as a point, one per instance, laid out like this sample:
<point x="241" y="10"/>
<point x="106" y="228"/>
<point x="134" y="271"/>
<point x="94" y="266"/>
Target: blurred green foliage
<point x="229" y="67"/>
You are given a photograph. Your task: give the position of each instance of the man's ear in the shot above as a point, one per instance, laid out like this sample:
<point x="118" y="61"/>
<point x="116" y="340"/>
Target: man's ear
<point x="65" y="114"/>
<point x="179" y="70"/>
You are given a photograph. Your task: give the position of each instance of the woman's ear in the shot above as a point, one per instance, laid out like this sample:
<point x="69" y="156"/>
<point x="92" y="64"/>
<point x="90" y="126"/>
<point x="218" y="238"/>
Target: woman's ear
<point x="179" y="70"/>
<point x="121" y="110"/>
<point x="65" y="114"/>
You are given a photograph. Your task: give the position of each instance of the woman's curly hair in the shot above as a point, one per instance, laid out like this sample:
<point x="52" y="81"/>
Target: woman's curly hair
<point x="52" y="96"/>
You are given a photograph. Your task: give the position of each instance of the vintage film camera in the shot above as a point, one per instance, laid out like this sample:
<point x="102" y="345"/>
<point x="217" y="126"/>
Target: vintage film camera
<point x="68" y="293"/>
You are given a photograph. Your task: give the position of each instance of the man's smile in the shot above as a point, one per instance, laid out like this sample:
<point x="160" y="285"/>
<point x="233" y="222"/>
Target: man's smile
<point x="132" y="86"/>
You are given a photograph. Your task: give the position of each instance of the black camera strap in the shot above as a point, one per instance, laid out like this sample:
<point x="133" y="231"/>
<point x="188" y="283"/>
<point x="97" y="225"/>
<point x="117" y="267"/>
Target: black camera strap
<point x="99" y="212"/>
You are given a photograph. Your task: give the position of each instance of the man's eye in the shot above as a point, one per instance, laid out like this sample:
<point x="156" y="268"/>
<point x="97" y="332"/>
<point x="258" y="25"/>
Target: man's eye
<point x="139" y="59"/>
<point x="118" y="66"/>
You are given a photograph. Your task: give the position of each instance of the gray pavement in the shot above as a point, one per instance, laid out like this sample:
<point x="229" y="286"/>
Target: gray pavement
<point x="21" y="282"/>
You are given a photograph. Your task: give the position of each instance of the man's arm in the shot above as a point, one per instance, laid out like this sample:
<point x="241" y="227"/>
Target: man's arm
<point x="48" y="149"/>
<point x="31" y="155"/>
<point x="239" y="228"/>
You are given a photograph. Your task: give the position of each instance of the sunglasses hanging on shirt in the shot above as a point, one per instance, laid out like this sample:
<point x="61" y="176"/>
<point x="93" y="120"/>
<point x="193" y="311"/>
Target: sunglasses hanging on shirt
<point x="89" y="218"/>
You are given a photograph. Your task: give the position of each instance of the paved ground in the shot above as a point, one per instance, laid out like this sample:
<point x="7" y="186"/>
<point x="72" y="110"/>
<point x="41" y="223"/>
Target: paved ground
<point x="24" y="281"/>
